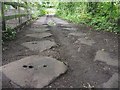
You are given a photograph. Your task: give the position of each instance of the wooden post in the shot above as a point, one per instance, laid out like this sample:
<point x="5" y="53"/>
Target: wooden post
<point x="19" y="17"/>
<point x="27" y="11"/>
<point x="3" y="16"/>
<point x="19" y="13"/>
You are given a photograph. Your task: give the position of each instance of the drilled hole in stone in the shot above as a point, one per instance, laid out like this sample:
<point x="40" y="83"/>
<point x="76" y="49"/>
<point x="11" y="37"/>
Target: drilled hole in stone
<point x="25" y="66"/>
<point x="30" y="66"/>
<point x="44" y="24"/>
<point x="44" y="65"/>
<point x="34" y="42"/>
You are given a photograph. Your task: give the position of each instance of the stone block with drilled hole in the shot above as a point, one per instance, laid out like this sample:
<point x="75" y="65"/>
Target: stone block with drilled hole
<point x="34" y="71"/>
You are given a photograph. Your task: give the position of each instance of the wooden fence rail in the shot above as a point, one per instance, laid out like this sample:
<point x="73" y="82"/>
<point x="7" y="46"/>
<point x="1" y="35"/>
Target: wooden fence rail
<point x="19" y="15"/>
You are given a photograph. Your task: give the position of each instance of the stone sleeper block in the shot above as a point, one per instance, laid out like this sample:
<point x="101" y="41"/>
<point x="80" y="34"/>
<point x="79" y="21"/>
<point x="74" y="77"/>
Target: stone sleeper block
<point x="39" y="45"/>
<point x="39" y="35"/>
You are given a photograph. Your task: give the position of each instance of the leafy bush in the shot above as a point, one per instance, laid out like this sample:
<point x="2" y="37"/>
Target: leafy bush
<point x="8" y="34"/>
<point x="100" y="15"/>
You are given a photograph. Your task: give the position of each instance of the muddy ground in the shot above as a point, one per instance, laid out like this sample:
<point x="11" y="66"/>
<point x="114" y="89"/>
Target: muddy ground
<point x="84" y="68"/>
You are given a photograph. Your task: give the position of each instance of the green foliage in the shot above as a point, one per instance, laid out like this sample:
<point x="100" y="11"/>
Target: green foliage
<point x="9" y="34"/>
<point x="42" y="12"/>
<point x="100" y="15"/>
<point x="38" y="10"/>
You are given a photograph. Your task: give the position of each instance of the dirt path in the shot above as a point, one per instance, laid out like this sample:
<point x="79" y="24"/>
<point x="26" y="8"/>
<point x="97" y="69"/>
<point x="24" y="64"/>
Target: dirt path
<point x="92" y="56"/>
